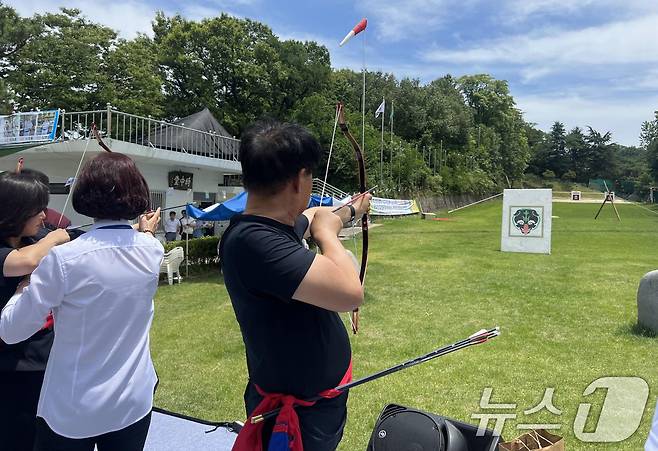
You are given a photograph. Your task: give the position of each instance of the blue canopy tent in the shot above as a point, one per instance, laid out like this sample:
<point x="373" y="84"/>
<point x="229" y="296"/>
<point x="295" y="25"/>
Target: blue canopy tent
<point x="327" y="201"/>
<point x="220" y="212"/>
<point x="226" y="210"/>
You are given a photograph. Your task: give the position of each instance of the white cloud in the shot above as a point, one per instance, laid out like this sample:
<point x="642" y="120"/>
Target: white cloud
<point x="520" y="10"/>
<point x="127" y="17"/>
<point x="403" y="19"/>
<point x="623" y="117"/>
<point x="624" y="42"/>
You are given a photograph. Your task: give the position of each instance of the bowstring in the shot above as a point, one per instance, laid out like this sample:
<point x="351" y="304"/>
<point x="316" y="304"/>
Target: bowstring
<point x="331" y="148"/>
<point x="75" y="177"/>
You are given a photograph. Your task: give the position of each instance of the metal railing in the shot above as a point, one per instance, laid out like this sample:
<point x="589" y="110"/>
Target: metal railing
<point x="148" y="132"/>
<point x="329" y="190"/>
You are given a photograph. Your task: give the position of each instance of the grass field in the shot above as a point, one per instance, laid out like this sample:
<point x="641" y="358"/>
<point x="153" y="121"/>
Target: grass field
<point x="567" y="319"/>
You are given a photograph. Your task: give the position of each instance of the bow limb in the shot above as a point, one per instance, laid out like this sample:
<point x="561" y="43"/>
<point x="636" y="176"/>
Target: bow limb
<point x="364" y="219"/>
<point x="97" y="135"/>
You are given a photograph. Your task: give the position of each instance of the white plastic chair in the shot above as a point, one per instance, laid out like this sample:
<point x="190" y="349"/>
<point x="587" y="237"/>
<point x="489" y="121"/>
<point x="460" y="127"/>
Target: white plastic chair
<point x="171" y="264"/>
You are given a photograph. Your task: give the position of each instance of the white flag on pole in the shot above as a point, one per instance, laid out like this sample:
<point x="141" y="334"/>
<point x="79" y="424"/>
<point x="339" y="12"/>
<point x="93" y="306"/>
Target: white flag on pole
<point x="381" y="109"/>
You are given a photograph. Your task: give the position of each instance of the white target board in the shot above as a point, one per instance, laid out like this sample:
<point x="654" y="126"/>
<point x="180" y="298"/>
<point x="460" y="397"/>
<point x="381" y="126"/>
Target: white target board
<point x="526" y="223"/>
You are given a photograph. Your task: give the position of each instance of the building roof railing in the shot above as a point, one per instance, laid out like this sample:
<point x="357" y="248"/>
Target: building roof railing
<point x="146" y="131"/>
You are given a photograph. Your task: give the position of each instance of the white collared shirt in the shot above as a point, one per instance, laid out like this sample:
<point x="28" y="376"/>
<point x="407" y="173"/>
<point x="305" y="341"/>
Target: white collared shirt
<point x="171" y="225"/>
<point x="100" y="288"/>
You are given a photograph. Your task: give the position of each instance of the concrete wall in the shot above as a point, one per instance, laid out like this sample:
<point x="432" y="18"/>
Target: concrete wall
<point x="60" y="160"/>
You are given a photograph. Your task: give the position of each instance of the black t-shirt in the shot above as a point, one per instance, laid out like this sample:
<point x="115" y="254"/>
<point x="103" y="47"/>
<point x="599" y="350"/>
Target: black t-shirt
<point x="31" y="354"/>
<point x="292" y="347"/>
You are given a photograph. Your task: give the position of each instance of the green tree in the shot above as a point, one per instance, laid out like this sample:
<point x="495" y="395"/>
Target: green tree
<point x="63" y="66"/>
<point x="15" y="33"/>
<point x="601" y="156"/>
<point x="557" y="159"/>
<point x="649" y="131"/>
<point x="493" y="106"/>
<point x="578" y="152"/>
<point x="305" y="71"/>
<point x="132" y="80"/>
<point x="230" y="65"/>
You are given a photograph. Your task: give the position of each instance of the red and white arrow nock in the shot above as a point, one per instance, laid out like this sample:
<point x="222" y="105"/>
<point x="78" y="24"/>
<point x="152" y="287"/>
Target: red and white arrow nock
<point x="354" y="31"/>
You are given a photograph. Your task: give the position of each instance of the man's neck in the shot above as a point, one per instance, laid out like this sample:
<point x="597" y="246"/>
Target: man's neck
<point x="278" y="207"/>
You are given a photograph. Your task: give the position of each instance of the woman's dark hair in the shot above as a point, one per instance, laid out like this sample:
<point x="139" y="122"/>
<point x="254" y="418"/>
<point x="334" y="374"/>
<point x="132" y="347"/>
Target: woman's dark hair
<point x="22" y="197"/>
<point x="111" y="187"/>
<point x="272" y="153"/>
<point x="37" y="175"/>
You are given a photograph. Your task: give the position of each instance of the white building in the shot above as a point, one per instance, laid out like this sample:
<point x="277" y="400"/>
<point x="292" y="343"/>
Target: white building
<point x="191" y="160"/>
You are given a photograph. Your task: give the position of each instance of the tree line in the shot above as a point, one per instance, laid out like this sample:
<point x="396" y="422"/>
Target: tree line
<point x="451" y="135"/>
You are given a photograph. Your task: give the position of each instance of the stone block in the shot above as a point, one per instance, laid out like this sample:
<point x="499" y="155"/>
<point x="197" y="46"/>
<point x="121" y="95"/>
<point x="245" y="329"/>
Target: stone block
<point x="647" y="301"/>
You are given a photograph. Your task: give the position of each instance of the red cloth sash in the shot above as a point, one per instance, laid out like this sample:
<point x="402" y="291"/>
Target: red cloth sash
<point x="250" y="437"/>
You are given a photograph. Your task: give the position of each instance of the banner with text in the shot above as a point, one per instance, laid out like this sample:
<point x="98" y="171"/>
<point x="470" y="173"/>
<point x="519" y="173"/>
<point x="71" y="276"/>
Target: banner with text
<point x="35" y="126"/>
<point x="380" y="206"/>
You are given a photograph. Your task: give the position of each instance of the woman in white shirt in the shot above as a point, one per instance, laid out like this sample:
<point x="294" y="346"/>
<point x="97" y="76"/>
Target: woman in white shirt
<point x="99" y="381"/>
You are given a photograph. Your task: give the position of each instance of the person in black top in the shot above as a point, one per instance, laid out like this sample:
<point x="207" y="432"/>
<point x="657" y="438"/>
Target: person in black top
<point x="286" y="297"/>
<point x="22" y="365"/>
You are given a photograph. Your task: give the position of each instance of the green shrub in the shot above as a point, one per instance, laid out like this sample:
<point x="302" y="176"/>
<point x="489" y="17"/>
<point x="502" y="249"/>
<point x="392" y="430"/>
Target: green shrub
<point x="200" y="252"/>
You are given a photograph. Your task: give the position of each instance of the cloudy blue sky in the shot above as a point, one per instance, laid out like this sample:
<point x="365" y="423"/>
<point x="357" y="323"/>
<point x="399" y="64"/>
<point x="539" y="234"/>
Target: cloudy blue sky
<point x="583" y="62"/>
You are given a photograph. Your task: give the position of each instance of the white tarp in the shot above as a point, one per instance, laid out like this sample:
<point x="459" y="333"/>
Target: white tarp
<point x="527" y="225"/>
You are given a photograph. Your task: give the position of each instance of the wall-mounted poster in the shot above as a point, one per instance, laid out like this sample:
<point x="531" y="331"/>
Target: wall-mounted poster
<point x="527" y="223"/>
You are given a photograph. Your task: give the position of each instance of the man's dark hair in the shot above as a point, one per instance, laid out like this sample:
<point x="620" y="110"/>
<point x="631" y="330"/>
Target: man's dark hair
<point x="111" y="187"/>
<point x="172" y="213"/>
<point x="37" y="175"/>
<point x="272" y="153"/>
<point x="22" y="197"/>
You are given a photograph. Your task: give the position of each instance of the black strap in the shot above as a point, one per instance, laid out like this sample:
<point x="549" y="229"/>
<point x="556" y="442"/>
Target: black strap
<point x="230" y="426"/>
<point x="116" y="226"/>
<point x="352" y="213"/>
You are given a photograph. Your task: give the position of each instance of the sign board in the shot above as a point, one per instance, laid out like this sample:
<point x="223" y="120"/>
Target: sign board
<point x="527" y="223"/>
<point x="610" y="196"/>
<point x="35" y="126"/>
<point x="391" y="207"/>
<point x="575" y="195"/>
<point x="180" y="180"/>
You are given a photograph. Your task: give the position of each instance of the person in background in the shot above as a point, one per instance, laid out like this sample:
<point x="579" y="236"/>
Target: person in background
<point x="22" y="364"/>
<point x="99" y="381"/>
<point x="199" y="227"/>
<point x="186" y="226"/>
<point x="171" y="227"/>
<point x="54" y="219"/>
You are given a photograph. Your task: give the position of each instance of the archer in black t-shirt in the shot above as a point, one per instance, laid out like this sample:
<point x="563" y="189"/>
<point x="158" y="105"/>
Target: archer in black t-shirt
<point x="285" y="297"/>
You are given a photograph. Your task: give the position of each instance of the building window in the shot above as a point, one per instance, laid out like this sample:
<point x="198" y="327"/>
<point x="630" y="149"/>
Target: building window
<point x="232" y="180"/>
<point x="157" y="199"/>
<point x="203" y="199"/>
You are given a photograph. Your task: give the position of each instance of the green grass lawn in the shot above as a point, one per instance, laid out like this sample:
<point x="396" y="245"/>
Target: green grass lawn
<point x="566" y="320"/>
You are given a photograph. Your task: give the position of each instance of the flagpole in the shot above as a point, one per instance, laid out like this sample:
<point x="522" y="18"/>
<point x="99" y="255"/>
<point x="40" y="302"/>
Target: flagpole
<point x="391" y="138"/>
<point x="363" y="101"/>
<point x="381" y="157"/>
